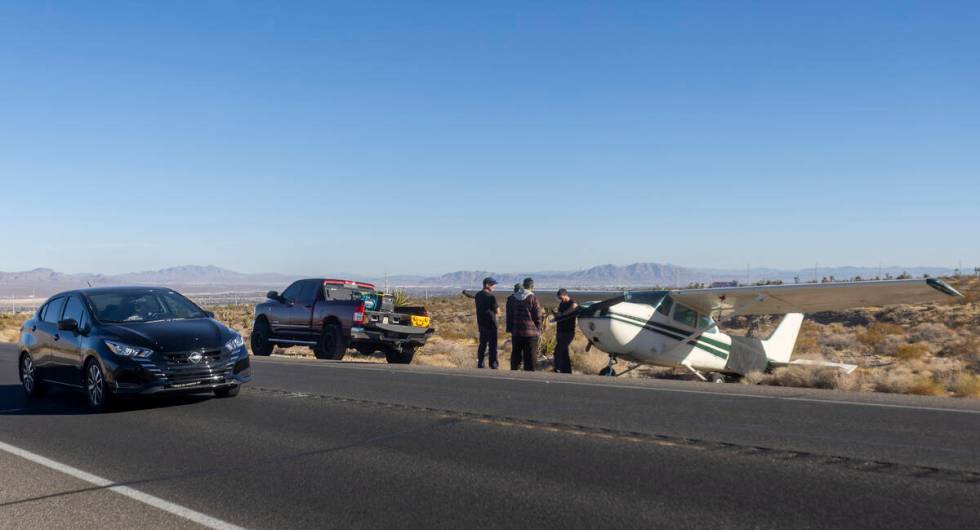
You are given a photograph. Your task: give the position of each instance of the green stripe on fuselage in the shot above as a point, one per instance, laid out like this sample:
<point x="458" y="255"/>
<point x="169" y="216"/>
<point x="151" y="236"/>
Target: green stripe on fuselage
<point x="649" y="327"/>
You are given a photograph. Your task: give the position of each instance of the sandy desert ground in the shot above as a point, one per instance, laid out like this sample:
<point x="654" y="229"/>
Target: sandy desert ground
<point x="908" y="349"/>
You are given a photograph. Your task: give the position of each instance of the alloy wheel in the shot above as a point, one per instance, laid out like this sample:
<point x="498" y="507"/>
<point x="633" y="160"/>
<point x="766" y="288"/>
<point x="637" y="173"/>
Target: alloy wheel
<point x="27" y="373"/>
<point x="96" y="388"/>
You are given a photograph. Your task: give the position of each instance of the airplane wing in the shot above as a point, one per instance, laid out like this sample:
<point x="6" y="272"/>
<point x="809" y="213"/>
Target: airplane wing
<point x="548" y="299"/>
<point x="812" y="297"/>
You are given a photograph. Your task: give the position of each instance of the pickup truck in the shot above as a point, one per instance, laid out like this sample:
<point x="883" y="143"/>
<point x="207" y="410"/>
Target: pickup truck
<point x="331" y="316"/>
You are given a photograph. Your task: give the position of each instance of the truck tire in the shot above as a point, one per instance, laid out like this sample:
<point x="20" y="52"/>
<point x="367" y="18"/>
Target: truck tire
<point x="331" y="344"/>
<point x="260" y="338"/>
<point x="400" y="356"/>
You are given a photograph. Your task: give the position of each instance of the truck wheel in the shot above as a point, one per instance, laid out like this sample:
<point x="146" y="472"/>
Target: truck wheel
<point x="331" y="344"/>
<point x="260" y="338"/>
<point x="402" y="356"/>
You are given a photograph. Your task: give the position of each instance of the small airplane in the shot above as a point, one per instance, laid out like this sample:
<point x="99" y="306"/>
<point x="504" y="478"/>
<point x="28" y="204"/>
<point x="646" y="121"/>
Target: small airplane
<point x="678" y="328"/>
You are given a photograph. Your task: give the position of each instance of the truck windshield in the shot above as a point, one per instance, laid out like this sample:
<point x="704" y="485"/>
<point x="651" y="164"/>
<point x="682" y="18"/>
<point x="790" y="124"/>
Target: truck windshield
<point x="142" y="306"/>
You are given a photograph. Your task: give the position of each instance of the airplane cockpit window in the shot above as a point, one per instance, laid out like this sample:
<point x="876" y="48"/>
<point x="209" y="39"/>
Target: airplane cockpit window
<point x="664" y="307"/>
<point x="707" y="323"/>
<point x="686" y="316"/>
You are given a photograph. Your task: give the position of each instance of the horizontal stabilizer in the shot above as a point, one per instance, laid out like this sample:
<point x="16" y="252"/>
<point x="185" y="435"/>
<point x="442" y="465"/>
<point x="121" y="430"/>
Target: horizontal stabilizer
<point x="846" y="368"/>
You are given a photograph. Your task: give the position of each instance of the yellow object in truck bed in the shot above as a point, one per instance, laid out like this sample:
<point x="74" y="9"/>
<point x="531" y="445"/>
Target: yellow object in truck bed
<point x="420" y="321"/>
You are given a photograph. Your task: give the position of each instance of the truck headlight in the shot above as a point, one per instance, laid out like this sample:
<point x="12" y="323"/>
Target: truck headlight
<point x="235" y="343"/>
<point x="125" y="350"/>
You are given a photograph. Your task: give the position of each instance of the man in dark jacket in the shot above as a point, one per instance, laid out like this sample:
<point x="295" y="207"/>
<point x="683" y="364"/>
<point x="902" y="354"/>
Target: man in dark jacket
<point x="486" y="320"/>
<point x="527" y="328"/>
<point x="510" y="308"/>
<point x="565" y="331"/>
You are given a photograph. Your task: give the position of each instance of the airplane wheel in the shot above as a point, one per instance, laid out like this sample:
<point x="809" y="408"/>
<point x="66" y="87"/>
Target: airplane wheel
<point x="607" y="371"/>
<point x="717" y="378"/>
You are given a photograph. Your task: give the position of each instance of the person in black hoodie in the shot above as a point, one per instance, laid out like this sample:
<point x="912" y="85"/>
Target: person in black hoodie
<point x="565" y="332"/>
<point x="510" y="308"/>
<point x="486" y="320"/>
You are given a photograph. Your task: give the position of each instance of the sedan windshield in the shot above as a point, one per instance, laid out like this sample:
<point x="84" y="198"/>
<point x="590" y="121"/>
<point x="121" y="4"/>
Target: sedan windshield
<point x="143" y="306"/>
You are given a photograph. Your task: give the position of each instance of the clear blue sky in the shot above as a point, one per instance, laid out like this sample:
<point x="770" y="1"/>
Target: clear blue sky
<point x="429" y="137"/>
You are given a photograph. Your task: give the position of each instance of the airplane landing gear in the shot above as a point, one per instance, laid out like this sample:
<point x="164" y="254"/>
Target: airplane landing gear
<point x="609" y="370"/>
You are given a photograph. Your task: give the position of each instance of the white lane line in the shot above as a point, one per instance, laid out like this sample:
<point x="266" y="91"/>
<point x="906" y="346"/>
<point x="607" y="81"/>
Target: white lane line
<point x="362" y="366"/>
<point x="156" y="502"/>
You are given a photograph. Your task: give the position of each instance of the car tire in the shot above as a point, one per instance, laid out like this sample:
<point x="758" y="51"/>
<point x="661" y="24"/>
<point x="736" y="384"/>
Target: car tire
<point x="32" y="384"/>
<point x="227" y="391"/>
<point x="331" y="344"/>
<point x="400" y="356"/>
<point x="260" y="338"/>
<point x="97" y="392"/>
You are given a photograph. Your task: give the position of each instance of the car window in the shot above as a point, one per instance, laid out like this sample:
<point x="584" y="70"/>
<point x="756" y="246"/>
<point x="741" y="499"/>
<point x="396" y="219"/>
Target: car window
<point x="686" y="316"/>
<point x="75" y="309"/>
<point x="52" y="311"/>
<point x="664" y="307"/>
<point x="308" y="293"/>
<point x="292" y="292"/>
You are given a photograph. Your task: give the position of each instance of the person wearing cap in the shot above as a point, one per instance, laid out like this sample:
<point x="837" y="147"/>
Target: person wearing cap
<point x="527" y="328"/>
<point x="565" y="331"/>
<point x="486" y="320"/>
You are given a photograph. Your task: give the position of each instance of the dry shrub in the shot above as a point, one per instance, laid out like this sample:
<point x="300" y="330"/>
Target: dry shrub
<point x="897" y="381"/>
<point x="932" y="332"/>
<point x="878" y="332"/>
<point x="967" y="385"/>
<point x="966" y="348"/>
<point x="925" y="385"/>
<point x="838" y="342"/>
<point x="909" y="352"/>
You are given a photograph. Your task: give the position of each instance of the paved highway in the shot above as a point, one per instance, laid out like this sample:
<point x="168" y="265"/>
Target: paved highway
<point x="324" y="444"/>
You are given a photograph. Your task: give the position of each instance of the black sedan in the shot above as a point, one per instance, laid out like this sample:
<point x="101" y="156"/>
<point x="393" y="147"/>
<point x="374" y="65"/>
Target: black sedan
<point x="128" y="341"/>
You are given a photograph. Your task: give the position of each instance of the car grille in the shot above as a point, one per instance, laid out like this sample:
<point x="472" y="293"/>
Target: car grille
<point x="175" y="369"/>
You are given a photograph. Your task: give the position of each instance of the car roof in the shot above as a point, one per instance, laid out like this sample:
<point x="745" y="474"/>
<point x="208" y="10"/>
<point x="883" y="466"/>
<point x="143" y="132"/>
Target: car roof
<point x="112" y="289"/>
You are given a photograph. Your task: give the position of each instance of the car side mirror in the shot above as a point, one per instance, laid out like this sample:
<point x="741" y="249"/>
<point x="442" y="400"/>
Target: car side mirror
<point x="209" y="314"/>
<point x="68" y="324"/>
<point x="273" y="295"/>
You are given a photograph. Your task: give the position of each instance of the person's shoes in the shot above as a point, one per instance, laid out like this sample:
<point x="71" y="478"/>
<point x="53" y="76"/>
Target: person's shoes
<point x="479" y="364"/>
<point x="493" y="366"/>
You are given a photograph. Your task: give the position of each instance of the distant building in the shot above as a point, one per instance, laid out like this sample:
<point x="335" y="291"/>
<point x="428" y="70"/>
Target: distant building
<point x="732" y="283"/>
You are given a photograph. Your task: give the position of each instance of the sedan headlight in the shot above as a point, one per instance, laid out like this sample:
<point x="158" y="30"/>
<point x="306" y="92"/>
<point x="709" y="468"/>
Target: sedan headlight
<point x="125" y="350"/>
<point x="235" y="343"/>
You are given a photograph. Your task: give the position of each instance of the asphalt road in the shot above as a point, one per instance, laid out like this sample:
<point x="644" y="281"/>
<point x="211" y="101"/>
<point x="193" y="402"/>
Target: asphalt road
<point x="324" y="444"/>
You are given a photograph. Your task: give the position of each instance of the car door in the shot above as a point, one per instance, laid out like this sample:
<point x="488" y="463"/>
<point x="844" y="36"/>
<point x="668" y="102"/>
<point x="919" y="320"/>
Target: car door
<point x="66" y="350"/>
<point x="300" y="311"/>
<point x="45" y="332"/>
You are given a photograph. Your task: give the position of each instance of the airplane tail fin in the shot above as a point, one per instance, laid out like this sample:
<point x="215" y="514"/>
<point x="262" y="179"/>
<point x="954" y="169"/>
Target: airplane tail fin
<point x="779" y="346"/>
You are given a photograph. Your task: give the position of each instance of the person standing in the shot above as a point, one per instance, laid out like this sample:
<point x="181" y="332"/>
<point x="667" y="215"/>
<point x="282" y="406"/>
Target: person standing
<point x="565" y="331"/>
<point x="486" y="320"/>
<point x="527" y="327"/>
<point x="510" y="309"/>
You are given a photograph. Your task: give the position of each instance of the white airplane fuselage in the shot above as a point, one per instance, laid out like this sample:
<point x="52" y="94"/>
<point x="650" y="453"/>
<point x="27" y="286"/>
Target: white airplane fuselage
<point x="639" y="333"/>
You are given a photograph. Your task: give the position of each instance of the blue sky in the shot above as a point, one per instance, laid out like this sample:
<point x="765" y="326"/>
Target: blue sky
<point x="428" y="137"/>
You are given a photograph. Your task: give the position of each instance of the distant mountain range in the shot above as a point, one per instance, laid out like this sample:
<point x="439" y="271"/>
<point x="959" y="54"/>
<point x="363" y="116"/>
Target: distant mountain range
<point x="200" y="279"/>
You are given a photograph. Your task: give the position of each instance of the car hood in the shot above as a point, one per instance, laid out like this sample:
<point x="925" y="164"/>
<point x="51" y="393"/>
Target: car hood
<point x="172" y="335"/>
